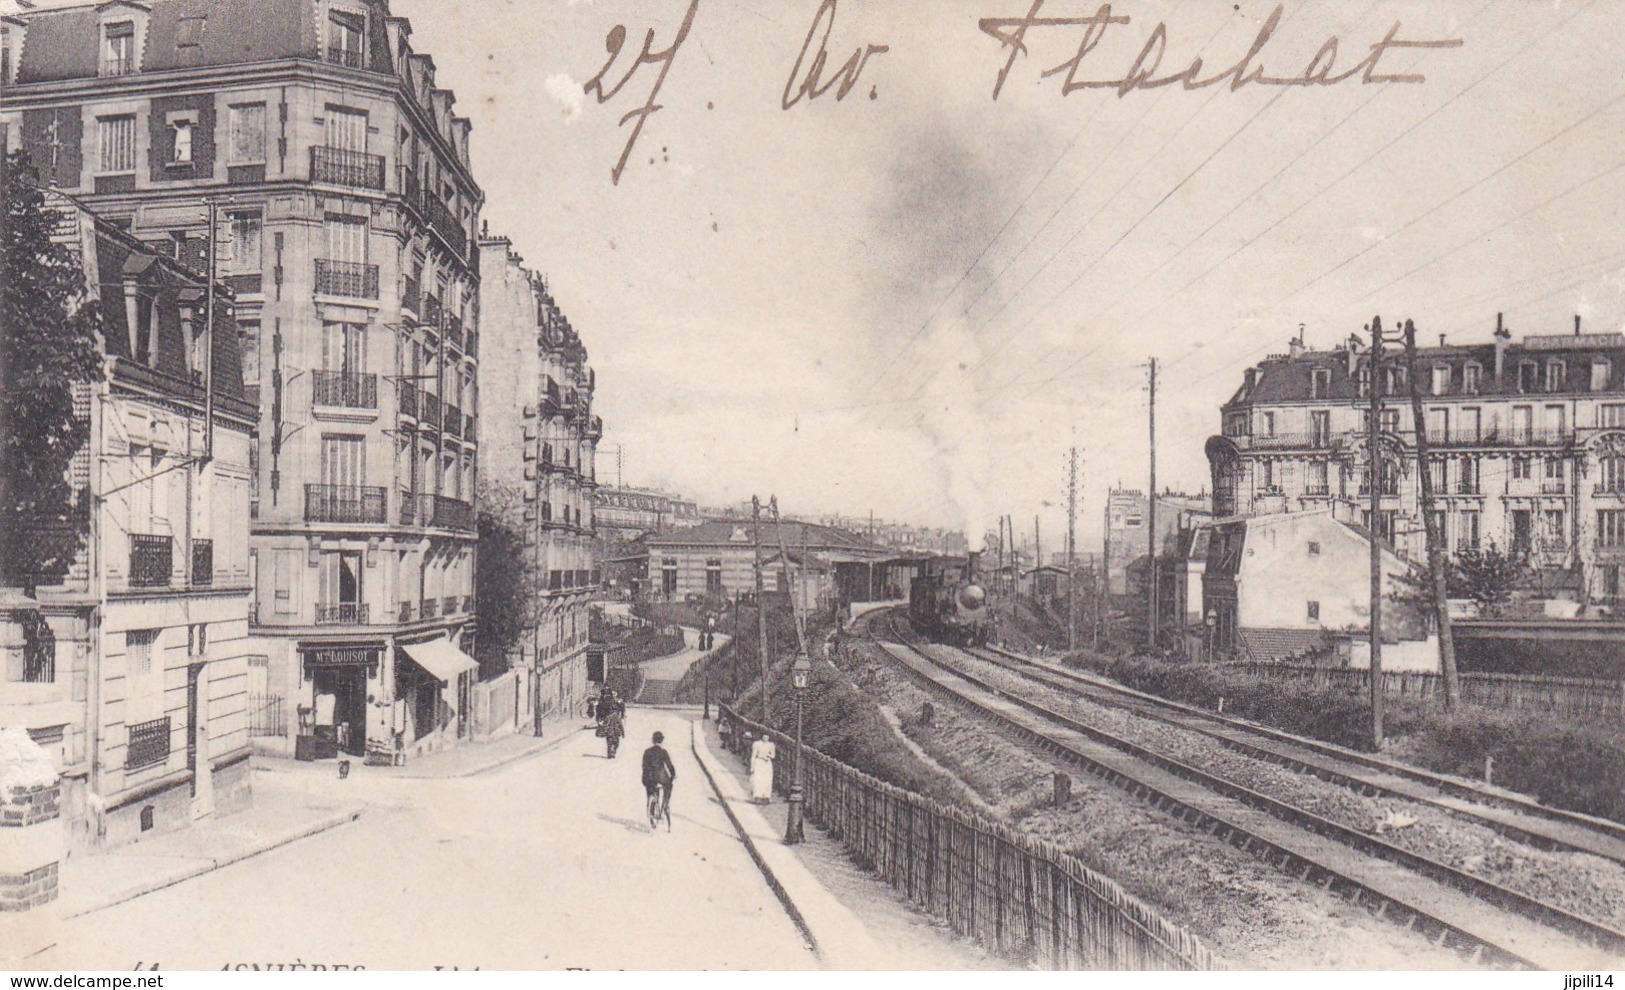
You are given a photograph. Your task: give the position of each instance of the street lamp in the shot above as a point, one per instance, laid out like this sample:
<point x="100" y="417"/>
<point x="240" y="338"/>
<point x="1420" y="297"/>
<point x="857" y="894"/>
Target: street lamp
<point x="800" y="674"/>
<point x="1212" y="624"/>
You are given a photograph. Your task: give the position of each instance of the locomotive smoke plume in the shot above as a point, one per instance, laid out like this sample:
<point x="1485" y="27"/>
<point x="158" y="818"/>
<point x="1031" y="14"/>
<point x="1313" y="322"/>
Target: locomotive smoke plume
<point x="943" y="202"/>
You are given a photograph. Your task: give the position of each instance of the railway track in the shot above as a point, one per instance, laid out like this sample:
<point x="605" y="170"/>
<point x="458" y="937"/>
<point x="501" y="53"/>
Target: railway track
<point x="1511" y="815"/>
<point x="1486" y="922"/>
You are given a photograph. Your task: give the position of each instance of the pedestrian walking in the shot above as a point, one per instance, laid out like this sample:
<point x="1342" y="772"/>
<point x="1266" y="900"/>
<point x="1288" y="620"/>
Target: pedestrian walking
<point x="614" y="728"/>
<point x="762" y="754"/>
<point x="658" y="776"/>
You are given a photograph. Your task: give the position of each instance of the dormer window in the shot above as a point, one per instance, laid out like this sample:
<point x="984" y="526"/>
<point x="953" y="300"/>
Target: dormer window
<point x="1600" y="373"/>
<point x="1528" y="376"/>
<point x="1320" y="383"/>
<point x="345" y="32"/>
<point x="189" y="31"/>
<point x="1557" y="376"/>
<point x="1364" y="382"/>
<point x="1440" y="383"/>
<point x="118" y="48"/>
<point x="1471" y="376"/>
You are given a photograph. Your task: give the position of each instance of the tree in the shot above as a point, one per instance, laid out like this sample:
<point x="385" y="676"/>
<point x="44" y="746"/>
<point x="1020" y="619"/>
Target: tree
<point x="49" y="344"/>
<point x="1487" y="575"/>
<point x="504" y="581"/>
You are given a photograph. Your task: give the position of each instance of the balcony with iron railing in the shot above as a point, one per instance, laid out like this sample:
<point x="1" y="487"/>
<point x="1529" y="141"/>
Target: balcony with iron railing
<point x="432" y="311"/>
<point x="454" y="331"/>
<point x="345" y="389"/>
<point x="453" y="421"/>
<point x="342" y="614"/>
<point x="452" y="513"/>
<point x="351" y="58"/>
<point x="595" y="428"/>
<point x="1553" y="487"/>
<point x="345" y="504"/>
<point x="411" y="295"/>
<point x="152" y="560"/>
<point x="445" y="223"/>
<point x="405" y="613"/>
<point x="550" y="398"/>
<point x="346" y="279"/>
<point x="450" y="605"/>
<point x="429" y="608"/>
<point x="1317" y="491"/>
<point x="202" y="562"/>
<point x="429" y="409"/>
<point x="343" y="167"/>
<point x="406" y="398"/>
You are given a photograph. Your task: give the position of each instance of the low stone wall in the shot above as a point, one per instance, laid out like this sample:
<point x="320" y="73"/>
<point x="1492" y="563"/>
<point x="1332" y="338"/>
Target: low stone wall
<point x="32" y="844"/>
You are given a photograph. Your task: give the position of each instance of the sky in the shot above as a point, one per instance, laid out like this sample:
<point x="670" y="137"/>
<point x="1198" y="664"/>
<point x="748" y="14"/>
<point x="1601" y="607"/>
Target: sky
<point x="914" y="298"/>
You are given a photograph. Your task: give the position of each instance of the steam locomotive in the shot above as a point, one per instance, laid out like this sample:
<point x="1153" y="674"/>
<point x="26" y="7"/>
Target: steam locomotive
<point x="947" y="603"/>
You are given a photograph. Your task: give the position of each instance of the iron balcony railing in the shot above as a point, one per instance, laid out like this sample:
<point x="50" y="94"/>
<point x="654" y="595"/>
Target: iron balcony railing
<point x="411" y="295"/>
<point x="446" y="224"/>
<point x="453" y="421"/>
<point x="152" y="560"/>
<point x="203" y="562"/>
<point x="348" y="57"/>
<point x="343" y="388"/>
<point x="428" y="409"/>
<point x="449" y="606"/>
<point x="1317" y="490"/>
<point x="452" y="513"/>
<point x="409" y="508"/>
<point x="344" y="504"/>
<point x="406" y="612"/>
<point x="595" y="428"/>
<point x="431" y="311"/>
<point x="342" y="167"/>
<point x="1553" y="488"/>
<point x="148" y="744"/>
<point x="347" y="279"/>
<point x="454" y="331"/>
<point x="429" y="607"/>
<point x="342" y="614"/>
<point x="406" y="398"/>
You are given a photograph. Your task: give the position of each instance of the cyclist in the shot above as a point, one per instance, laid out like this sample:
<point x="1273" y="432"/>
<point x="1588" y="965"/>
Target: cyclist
<point x="658" y="775"/>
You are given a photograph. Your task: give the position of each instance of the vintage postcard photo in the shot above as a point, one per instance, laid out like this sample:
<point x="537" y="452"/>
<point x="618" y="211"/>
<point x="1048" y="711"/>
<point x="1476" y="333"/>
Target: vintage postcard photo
<point x="798" y="485"/>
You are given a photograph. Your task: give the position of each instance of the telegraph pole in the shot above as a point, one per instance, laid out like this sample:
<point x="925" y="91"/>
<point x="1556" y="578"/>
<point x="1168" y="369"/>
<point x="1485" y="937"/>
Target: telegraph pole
<point x="1430" y="527"/>
<point x="1151" y="520"/>
<point x="1072" y="553"/>
<point x="1373" y="427"/>
<point x="761" y="605"/>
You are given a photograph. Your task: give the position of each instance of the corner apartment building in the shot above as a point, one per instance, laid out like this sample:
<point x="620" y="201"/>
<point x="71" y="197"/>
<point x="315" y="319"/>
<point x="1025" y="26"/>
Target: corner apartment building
<point x="131" y="668"/>
<point x="628" y="513"/>
<point x="1527" y="448"/>
<point x="539" y="438"/>
<point x="347" y="213"/>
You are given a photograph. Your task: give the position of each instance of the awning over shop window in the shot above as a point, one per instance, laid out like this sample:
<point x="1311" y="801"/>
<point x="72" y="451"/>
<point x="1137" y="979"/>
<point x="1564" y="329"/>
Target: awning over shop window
<point x="440" y="658"/>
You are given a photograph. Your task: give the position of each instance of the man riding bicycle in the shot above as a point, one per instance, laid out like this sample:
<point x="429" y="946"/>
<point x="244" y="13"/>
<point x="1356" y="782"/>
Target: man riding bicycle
<point x="658" y="776"/>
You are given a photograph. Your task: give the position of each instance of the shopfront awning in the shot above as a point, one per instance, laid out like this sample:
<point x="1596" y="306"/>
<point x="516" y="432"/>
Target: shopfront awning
<point x="440" y="658"/>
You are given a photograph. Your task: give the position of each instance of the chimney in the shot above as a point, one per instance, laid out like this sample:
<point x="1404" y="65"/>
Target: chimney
<point x="1354" y="354"/>
<point x="1296" y="348"/>
<point x="1249" y="379"/>
<point x="1503" y="337"/>
<point x="1577" y="324"/>
<point x="1441" y="340"/>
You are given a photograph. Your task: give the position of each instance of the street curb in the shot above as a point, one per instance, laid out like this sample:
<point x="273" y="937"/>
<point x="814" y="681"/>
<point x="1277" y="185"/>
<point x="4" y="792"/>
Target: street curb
<point x="184" y="874"/>
<point x="772" y="879"/>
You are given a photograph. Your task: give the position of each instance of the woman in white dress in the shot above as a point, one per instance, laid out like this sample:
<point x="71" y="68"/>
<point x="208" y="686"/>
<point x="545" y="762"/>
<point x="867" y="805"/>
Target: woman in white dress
<point x="762" y="752"/>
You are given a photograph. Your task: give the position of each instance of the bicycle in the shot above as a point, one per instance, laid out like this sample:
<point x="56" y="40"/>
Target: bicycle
<point x="659" y="805"/>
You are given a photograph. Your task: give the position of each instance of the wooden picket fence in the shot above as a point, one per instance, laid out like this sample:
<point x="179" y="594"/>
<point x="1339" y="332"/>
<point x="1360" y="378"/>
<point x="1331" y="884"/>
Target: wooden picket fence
<point x="1532" y="693"/>
<point x="1025" y="899"/>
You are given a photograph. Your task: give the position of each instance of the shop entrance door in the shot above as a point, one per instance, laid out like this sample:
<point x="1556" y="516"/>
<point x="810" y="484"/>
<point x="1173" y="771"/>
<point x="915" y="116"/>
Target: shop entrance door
<point x="348" y="686"/>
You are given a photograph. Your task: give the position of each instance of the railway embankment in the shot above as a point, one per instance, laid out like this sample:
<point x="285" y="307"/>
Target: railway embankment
<point x="1576" y="763"/>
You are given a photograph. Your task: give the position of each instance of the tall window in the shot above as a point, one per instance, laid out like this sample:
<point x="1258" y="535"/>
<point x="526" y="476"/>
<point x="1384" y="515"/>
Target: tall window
<point x="1471" y="377"/>
<point x="1523" y="423"/>
<point x="1611" y="414"/>
<point x="1320" y="383"/>
<point x="1611" y="527"/>
<point x="1553" y="535"/>
<point x="1269" y="424"/>
<point x="1439" y="425"/>
<point x="713" y="576"/>
<point x="343" y="462"/>
<point x="345" y="129"/>
<point x="138" y="648"/>
<point x="1600" y="373"/>
<point x="247" y="133"/>
<point x="668" y="575"/>
<point x="1557" y="376"/>
<point x="1389" y="420"/>
<point x="1317" y="478"/>
<point x="117" y="143"/>
<point x="1469" y="476"/>
<point x="344" y="36"/>
<point x="180" y="139"/>
<point x="346" y="239"/>
<point x="246" y="251"/>
<point x="1528" y="376"/>
<point x="1611" y="473"/>
<point x="1440" y="383"/>
<point x="1471" y="423"/>
<point x="1556" y="420"/>
<point x="344" y="348"/>
<point x="1468" y="535"/>
<point x="1522" y="468"/>
<point x="118" y="48"/>
<point x="1320" y="426"/>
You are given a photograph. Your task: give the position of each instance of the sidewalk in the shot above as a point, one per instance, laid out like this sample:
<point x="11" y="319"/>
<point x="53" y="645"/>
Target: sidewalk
<point x="464" y="759"/>
<point x="855" y="921"/>
<point x="662" y="675"/>
<point x="280" y="815"/>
